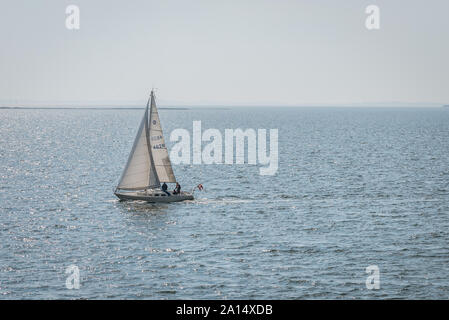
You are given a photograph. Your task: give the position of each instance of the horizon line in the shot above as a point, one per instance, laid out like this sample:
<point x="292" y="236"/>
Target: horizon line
<point x="188" y="107"/>
<point x="4" y="104"/>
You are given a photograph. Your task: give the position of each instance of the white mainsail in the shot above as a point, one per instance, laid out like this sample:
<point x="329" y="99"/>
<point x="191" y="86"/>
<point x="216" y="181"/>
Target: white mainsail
<point x="159" y="151"/>
<point x="139" y="172"/>
<point x="148" y="163"/>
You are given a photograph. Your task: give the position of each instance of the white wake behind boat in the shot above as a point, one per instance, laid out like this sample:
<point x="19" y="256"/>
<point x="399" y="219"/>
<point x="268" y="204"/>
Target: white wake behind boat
<point x="149" y="164"/>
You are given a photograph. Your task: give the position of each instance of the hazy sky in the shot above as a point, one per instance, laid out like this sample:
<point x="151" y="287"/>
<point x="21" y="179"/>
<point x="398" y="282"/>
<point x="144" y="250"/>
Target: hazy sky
<point x="224" y="52"/>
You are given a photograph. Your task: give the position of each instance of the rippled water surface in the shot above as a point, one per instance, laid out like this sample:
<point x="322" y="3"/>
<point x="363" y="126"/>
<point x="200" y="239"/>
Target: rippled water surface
<point x="355" y="187"/>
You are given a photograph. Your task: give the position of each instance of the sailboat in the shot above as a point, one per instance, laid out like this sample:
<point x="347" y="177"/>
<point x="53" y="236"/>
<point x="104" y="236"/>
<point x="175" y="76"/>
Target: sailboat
<point x="149" y="164"/>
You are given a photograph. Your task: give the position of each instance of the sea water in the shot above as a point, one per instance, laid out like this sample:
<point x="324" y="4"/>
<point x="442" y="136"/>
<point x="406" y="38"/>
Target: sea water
<point x="355" y="187"/>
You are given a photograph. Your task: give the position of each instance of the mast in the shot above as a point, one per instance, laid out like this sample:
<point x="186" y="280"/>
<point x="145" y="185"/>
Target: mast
<point x="153" y="177"/>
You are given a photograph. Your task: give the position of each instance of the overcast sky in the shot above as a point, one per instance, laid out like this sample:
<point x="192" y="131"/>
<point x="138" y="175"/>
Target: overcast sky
<point x="224" y="52"/>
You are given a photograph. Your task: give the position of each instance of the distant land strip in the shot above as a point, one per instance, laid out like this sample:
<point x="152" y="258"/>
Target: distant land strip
<point x="90" y="108"/>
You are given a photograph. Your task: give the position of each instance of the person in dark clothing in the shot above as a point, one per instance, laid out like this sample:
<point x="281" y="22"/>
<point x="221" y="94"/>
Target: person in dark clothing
<point x="177" y="189"/>
<point x="164" y="188"/>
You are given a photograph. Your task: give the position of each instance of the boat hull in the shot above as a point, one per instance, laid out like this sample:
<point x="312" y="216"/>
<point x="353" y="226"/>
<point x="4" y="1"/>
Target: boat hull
<point x="154" y="197"/>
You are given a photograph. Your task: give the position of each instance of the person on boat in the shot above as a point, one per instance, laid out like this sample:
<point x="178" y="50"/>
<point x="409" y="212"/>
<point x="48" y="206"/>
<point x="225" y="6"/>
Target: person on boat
<point x="177" y="189"/>
<point x="164" y="188"/>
